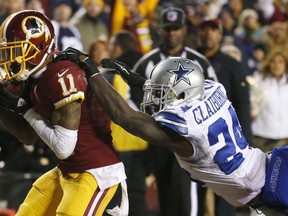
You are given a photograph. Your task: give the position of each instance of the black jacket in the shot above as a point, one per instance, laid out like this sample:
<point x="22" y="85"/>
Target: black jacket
<point x="232" y="75"/>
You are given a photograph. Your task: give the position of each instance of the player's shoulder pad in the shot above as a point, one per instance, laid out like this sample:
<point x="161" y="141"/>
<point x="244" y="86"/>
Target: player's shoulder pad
<point x="171" y="118"/>
<point x="210" y="84"/>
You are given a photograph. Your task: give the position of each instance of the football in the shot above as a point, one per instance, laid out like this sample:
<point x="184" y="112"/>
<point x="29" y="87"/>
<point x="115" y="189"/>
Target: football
<point x="14" y="87"/>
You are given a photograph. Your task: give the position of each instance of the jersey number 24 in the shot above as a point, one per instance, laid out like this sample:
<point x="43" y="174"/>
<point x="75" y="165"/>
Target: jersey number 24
<point x="226" y="136"/>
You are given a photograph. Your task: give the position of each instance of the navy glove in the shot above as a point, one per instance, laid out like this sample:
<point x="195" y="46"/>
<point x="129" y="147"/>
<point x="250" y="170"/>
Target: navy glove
<point x="18" y="103"/>
<point x="131" y="78"/>
<point x="84" y="61"/>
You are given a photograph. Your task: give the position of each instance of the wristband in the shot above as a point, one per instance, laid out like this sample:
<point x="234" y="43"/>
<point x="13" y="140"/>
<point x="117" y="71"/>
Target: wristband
<point x="90" y="67"/>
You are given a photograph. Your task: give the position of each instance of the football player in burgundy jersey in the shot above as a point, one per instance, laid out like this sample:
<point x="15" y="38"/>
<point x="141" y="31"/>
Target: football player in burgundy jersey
<point x="194" y="118"/>
<point x="90" y="177"/>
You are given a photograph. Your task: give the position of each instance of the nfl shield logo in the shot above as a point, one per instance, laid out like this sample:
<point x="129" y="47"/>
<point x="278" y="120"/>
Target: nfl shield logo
<point x="172" y="16"/>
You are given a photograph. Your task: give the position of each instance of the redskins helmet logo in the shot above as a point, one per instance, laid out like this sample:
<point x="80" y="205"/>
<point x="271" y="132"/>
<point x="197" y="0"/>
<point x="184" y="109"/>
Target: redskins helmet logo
<point x="33" y="27"/>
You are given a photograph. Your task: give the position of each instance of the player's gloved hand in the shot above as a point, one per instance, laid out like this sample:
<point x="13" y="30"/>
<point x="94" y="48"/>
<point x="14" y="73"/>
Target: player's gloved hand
<point x="131" y="78"/>
<point x="19" y="103"/>
<point x="84" y="61"/>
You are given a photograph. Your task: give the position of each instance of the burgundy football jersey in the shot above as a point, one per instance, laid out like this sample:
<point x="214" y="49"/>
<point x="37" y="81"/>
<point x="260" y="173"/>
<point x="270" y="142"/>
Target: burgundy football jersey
<point x="62" y="83"/>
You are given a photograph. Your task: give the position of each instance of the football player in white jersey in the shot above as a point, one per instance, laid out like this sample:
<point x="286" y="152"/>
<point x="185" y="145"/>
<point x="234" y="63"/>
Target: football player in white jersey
<point x="194" y="118"/>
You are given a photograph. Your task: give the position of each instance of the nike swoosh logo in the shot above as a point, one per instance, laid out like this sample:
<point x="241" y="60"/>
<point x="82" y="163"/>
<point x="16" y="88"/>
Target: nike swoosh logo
<point x="61" y="74"/>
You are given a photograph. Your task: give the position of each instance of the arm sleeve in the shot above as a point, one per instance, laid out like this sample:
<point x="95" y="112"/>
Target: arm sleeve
<point x="61" y="140"/>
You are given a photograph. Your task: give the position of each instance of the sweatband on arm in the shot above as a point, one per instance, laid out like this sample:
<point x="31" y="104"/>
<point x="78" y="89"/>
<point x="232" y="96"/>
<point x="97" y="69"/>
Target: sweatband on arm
<point x="61" y="140"/>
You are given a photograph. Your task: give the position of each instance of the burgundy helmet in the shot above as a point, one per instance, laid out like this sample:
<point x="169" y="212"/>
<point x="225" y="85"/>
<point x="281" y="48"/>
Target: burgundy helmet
<point x="26" y="39"/>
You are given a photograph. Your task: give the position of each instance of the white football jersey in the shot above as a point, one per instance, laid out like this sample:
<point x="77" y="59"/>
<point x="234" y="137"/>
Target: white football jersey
<point x="222" y="159"/>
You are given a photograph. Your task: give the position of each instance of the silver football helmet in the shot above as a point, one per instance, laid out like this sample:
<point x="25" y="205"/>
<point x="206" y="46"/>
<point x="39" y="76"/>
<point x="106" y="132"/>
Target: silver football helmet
<point x="173" y="80"/>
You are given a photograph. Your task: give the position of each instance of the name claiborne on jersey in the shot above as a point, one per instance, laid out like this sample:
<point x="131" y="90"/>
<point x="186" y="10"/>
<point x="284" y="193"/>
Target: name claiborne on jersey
<point x="210" y="106"/>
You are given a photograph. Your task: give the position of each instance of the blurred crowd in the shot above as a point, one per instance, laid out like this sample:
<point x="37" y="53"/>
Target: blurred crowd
<point x="251" y="32"/>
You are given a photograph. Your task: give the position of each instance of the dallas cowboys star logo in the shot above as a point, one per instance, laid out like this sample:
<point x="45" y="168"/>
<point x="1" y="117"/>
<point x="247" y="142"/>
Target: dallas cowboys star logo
<point x="181" y="74"/>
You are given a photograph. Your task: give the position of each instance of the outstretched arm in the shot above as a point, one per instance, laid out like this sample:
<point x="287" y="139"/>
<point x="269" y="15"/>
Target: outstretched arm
<point x="135" y="122"/>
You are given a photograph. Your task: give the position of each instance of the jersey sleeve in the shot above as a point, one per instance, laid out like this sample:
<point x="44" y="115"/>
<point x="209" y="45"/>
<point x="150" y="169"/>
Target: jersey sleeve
<point x="209" y="84"/>
<point x="169" y="118"/>
<point x="66" y="86"/>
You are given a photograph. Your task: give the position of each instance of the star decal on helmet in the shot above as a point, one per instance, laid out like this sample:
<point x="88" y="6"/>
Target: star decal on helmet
<point x="181" y="74"/>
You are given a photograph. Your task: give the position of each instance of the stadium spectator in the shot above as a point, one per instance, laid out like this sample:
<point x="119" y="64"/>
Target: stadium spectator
<point x="235" y="7"/>
<point x="228" y="23"/>
<point x="193" y="22"/>
<point x="66" y="34"/>
<point x="98" y="50"/>
<point x="90" y="176"/>
<point x="232" y="51"/>
<point x="248" y="29"/>
<point x="34" y="5"/>
<point x="209" y="8"/>
<point x="9" y="7"/>
<point x="134" y="16"/>
<point x="275" y="36"/>
<point x="257" y="57"/>
<point x="269" y="91"/>
<point x="90" y="24"/>
<point x="272" y="10"/>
